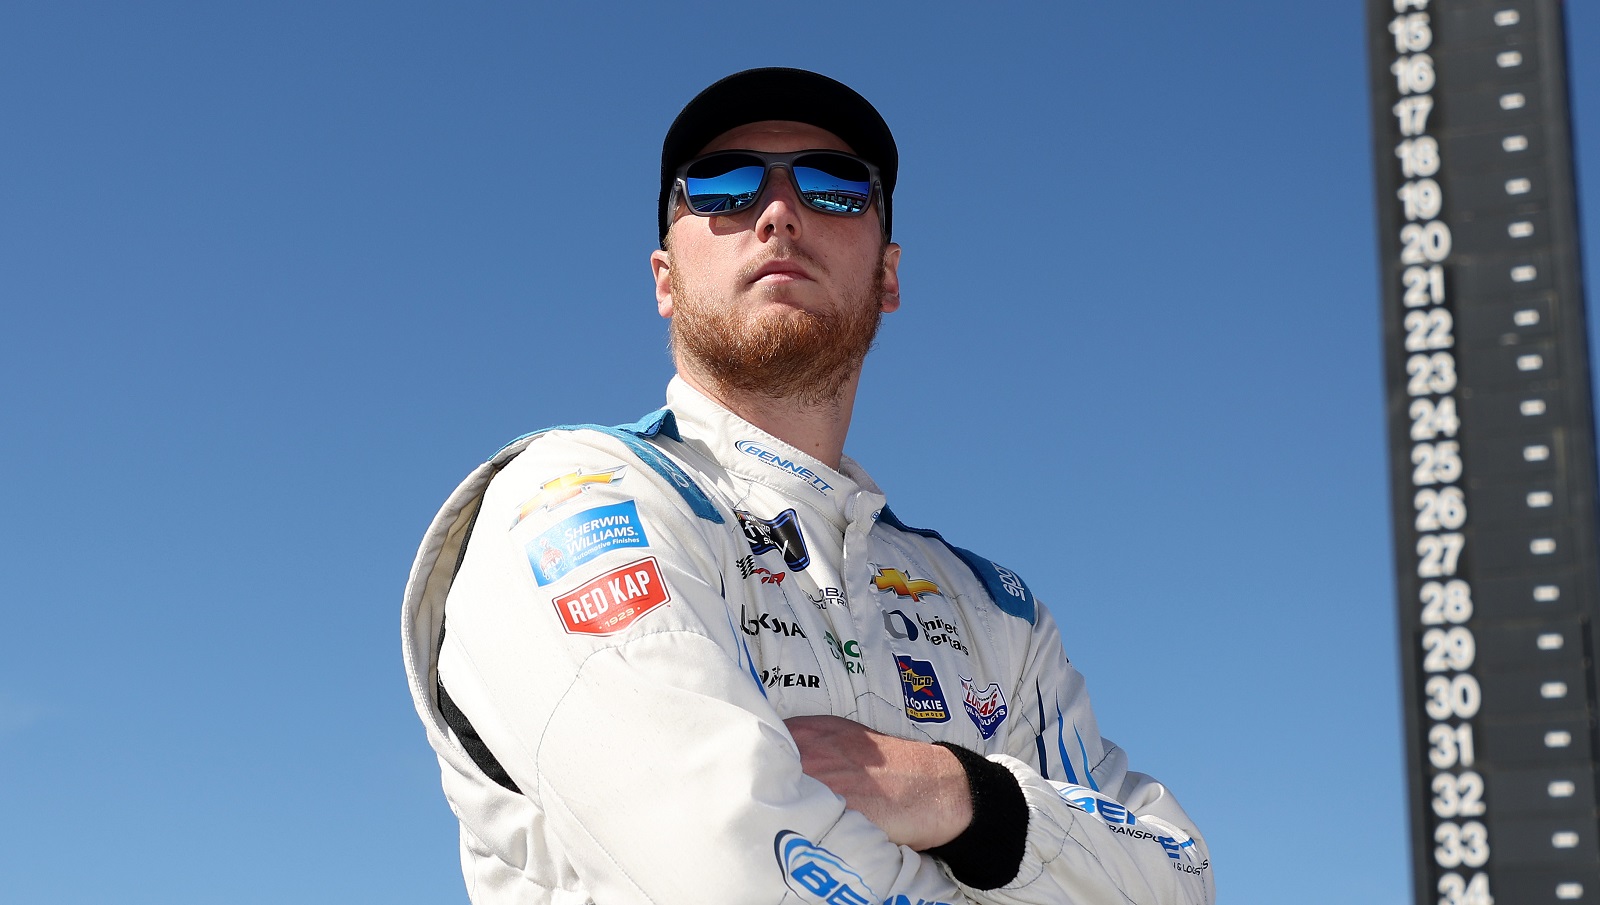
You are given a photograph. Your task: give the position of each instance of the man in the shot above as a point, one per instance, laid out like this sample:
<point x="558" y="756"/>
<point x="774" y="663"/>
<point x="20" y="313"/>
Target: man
<point x="699" y="659"/>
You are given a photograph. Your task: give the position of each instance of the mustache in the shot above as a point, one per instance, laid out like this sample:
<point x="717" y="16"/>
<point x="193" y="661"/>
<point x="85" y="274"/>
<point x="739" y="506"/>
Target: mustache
<point x="788" y="255"/>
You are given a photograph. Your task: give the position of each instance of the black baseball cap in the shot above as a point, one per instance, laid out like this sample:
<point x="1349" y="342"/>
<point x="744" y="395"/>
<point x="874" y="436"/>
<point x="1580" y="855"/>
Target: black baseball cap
<point x="797" y="95"/>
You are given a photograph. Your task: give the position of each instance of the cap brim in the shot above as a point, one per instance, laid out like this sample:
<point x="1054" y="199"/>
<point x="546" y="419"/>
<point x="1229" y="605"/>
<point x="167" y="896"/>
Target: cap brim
<point x="776" y="93"/>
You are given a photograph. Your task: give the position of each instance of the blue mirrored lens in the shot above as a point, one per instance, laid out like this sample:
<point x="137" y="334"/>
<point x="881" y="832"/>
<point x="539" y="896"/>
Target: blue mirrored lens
<point x="723" y="183"/>
<point x="833" y="183"/>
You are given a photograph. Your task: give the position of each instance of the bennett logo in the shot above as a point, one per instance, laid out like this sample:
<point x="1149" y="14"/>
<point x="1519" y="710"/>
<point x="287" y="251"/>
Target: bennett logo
<point x="752" y="448"/>
<point x="924" y="698"/>
<point x="1093" y="802"/>
<point x="1120" y="819"/>
<point x="898" y="582"/>
<point x="613" y="601"/>
<point x="986" y="707"/>
<point x="817" y="875"/>
<point x="781" y="533"/>
<point x="564" y="489"/>
<point x="575" y="541"/>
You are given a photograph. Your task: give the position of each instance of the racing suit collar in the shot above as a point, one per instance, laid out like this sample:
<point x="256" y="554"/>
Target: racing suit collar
<point x="843" y="495"/>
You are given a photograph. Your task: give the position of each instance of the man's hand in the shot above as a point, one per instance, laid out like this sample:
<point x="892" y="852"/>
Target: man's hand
<point x="915" y="792"/>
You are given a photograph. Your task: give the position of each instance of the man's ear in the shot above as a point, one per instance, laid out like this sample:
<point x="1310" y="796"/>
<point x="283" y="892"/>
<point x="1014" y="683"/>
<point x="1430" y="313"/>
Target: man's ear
<point x="661" y="267"/>
<point x="891" y="277"/>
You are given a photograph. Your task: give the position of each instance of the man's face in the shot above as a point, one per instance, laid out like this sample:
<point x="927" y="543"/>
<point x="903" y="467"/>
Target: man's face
<point x="778" y="300"/>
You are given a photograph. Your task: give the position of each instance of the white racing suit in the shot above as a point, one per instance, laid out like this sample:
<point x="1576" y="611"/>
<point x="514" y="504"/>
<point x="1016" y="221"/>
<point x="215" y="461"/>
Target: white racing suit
<point x="633" y="612"/>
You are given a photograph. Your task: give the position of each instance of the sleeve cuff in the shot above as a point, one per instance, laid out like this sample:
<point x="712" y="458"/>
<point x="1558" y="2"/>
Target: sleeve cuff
<point x="988" y="853"/>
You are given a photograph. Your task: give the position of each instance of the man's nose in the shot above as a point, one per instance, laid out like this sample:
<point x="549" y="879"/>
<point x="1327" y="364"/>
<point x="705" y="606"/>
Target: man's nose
<point x="780" y="206"/>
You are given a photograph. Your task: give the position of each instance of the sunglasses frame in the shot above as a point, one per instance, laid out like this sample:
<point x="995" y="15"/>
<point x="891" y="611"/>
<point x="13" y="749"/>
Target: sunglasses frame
<point x="770" y="160"/>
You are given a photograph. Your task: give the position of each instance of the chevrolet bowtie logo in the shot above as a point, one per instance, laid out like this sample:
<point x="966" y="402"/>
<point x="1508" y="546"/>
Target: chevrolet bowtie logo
<point x="896" y="581"/>
<point x="555" y="492"/>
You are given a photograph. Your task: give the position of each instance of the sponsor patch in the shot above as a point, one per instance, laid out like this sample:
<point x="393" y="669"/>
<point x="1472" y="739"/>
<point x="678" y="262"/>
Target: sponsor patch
<point x="901" y="626"/>
<point x="987" y="706"/>
<point x="748" y="569"/>
<point x="775" y="677"/>
<point x="565" y="489"/>
<point x="781" y="533"/>
<point x="578" y="539"/>
<point x="828" y="595"/>
<point x="1092" y="802"/>
<point x="847" y="652"/>
<point x="752" y="448"/>
<point x="937" y="631"/>
<point x="1011" y="582"/>
<point x="903" y="585"/>
<point x="1177" y="846"/>
<point x="924" y="698"/>
<point x="612" y="602"/>
<point x="817" y="875"/>
<point x="755" y="625"/>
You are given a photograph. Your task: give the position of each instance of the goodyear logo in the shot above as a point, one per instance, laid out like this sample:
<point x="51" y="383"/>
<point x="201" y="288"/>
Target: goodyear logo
<point x="817" y="875"/>
<point x="924" y="698"/>
<point x="565" y="489"/>
<point x="903" y="585"/>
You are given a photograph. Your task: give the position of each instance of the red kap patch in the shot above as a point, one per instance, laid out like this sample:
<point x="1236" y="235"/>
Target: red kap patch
<point x="610" y="603"/>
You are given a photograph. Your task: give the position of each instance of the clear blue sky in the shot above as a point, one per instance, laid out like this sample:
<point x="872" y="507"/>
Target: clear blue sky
<point x="274" y="277"/>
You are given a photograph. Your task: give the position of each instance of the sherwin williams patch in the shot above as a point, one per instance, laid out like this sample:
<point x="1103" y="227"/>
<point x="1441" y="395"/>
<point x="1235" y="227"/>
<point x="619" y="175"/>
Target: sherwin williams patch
<point x="924" y="698"/>
<point x="611" y="602"/>
<point x="582" y="537"/>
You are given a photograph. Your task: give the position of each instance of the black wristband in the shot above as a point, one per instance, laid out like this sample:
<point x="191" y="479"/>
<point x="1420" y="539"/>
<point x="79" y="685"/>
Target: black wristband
<point x="988" y="853"/>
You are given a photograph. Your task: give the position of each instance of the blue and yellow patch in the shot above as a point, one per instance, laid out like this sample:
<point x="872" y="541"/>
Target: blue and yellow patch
<point x="576" y="540"/>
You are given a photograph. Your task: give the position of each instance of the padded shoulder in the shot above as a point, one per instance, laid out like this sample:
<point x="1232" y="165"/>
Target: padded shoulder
<point x="1006" y="588"/>
<point x="634" y="437"/>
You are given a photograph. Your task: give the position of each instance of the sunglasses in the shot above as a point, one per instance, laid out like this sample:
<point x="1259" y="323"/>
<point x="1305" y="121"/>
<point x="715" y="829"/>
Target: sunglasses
<point x="728" y="182"/>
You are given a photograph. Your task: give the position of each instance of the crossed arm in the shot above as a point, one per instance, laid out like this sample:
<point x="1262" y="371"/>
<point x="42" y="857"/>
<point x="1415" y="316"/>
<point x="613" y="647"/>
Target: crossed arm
<point x="915" y="792"/>
<point x="577" y="722"/>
